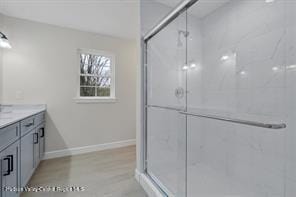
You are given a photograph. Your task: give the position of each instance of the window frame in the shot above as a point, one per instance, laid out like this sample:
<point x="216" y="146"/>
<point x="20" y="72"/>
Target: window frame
<point x="95" y="99"/>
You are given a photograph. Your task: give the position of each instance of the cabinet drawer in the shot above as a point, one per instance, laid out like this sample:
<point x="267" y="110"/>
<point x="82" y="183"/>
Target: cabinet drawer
<point x="27" y="125"/>
<point x="39" y="118"/>
<point x="8" y="135"/>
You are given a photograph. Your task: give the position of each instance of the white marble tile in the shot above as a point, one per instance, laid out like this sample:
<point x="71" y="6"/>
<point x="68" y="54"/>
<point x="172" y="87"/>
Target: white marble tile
<point x="254" y="82"/>
<point x="166" y="148"/>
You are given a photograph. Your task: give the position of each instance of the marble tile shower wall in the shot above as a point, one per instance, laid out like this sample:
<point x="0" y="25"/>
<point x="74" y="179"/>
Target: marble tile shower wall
<point x="244" y="48"/>
<point x="166" y="128"/>
<point x="165" y="59"/>
<point x="290" y="137"/>
<point x="248" y="69"/>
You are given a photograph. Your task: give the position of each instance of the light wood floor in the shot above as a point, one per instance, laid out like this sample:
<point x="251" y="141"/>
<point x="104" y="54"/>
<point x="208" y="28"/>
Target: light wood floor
<point x="108" y="173"/>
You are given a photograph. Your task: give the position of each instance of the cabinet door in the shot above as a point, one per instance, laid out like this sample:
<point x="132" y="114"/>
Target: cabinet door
<point x="27" y="157"/>
<point x="10" y="162"/>
<point x="36" y="140"/>
<point x="41" y="141"/>
<point x="3" y="169"/>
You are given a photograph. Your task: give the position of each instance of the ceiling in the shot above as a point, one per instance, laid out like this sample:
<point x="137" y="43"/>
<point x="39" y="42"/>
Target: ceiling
<point x="200" y="9"/>
<point x="117" y="18"/>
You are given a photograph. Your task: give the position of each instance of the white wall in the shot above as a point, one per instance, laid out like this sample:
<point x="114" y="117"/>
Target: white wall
<point x="42" y="67"/>
<point x="1" y="53"/>
<point x="151" y="13"/>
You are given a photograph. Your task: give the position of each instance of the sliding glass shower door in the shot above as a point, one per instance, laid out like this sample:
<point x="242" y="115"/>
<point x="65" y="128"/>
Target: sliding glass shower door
<point x="166" y="96"/>
<point x="241" y="140"/>
<point x="221" y="100"/>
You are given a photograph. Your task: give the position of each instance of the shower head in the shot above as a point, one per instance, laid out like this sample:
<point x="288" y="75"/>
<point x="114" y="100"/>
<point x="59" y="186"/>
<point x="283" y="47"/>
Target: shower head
<point x="182" y="33"/>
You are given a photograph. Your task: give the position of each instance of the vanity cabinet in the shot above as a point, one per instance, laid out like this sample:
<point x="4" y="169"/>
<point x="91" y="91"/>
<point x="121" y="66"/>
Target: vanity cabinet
<point x="27" y="157"/>
<point x="36" y="151"/>
<point x="21" y="149"/>
<point x="27" y="125"/>
<point x="32" y="145"/>
<point x="41" y="135"/>
<point x="10" y="170"/>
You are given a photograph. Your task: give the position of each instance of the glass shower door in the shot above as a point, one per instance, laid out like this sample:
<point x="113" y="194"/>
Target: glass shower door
<point x="221" y="100"/>
<point x="244" y="57"/>
<point x="166" y="96"/>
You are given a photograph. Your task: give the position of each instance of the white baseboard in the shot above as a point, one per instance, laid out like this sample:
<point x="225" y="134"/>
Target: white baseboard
<point x="88" y="149"/>
<point x="137" y="175"/>
<point x="147" y="185"/>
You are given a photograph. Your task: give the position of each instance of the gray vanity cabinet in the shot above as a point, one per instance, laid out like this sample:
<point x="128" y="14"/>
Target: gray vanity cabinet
<point x="41" y="141"/>
<point x="10" y="170"/>
<point x="36" y="142"/>
<point x="3" y="168"/>
<point x="21" y="149"/>
<point x="27" y="157"/>
<point x="32" y="146"/>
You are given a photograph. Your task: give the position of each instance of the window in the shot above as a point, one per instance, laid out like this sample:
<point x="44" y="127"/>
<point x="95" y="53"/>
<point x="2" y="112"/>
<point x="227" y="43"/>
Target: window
<point x="96" y="75"/>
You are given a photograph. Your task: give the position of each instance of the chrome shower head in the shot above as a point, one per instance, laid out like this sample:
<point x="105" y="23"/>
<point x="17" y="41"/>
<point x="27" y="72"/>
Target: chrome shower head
<point x="182" y="33"/>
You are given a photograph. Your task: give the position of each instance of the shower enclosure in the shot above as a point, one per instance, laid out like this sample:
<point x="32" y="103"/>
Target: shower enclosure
<point x="220" y="99"/>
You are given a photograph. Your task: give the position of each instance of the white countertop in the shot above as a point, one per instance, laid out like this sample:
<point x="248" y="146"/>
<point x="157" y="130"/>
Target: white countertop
<point x="10" y="114"/>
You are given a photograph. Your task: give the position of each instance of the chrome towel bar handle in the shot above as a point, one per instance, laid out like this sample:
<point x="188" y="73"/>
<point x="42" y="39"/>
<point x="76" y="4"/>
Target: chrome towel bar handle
<point x="237" y="121"/>
<point x="222" y="118"/>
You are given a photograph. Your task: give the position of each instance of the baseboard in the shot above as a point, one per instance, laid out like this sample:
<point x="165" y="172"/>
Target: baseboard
<point x="147" y="185"/>
<point x="88" y="149"/>
<point x="137" y="175"/>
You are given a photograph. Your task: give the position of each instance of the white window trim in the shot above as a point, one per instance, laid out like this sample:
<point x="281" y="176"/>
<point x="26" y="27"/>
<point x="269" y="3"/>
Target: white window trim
<point x="83" y="100"/>
<point x="97" y="99"/>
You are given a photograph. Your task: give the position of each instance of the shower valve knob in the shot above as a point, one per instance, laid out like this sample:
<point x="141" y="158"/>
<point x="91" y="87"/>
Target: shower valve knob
<point x="179" y="92"/>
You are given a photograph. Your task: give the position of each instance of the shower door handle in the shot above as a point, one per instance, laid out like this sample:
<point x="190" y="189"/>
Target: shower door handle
<point x="237" y="121"/>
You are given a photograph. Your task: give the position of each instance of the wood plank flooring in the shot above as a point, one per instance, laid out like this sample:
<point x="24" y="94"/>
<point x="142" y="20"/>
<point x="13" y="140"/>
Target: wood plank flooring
<point x="108" y="173"/>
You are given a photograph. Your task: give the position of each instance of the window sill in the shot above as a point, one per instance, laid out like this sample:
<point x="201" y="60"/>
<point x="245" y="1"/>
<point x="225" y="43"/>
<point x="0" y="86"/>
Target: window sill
<point x="82" y="100"/>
